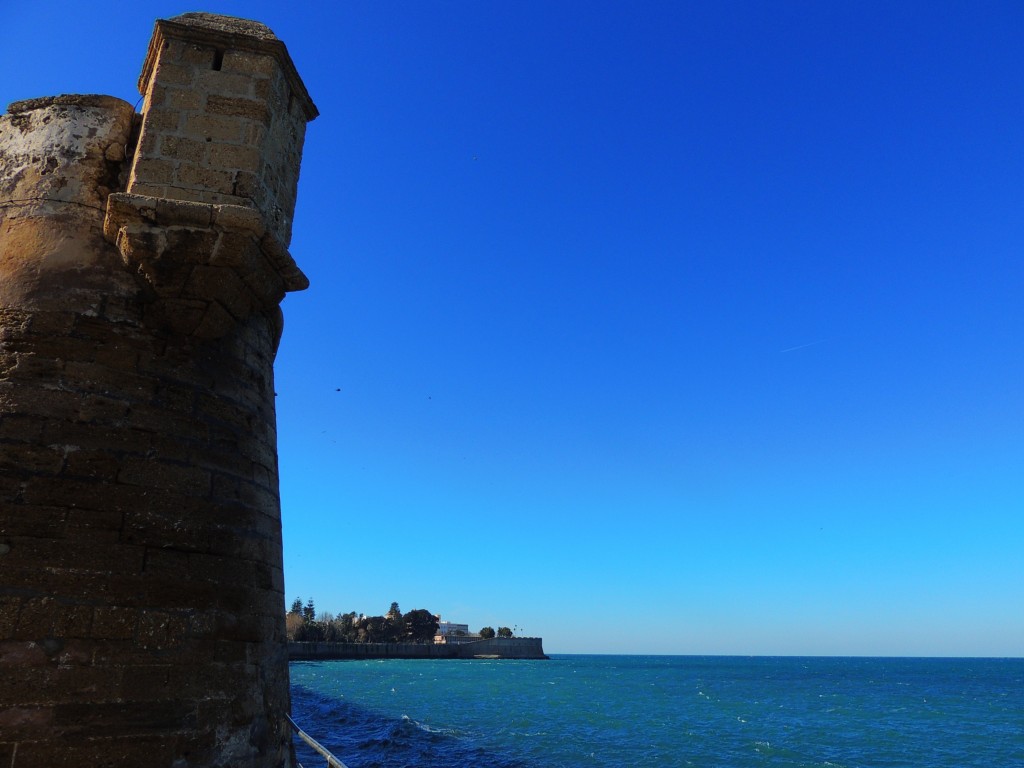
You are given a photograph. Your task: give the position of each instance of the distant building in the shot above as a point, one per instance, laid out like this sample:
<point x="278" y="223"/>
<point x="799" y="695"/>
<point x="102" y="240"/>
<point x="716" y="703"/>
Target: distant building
<point x="449" y="632"/>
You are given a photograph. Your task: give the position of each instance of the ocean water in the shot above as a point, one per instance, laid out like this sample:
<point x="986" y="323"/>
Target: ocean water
<point x="719" y="712"/>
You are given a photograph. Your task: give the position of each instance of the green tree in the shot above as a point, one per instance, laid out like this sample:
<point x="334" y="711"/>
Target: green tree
<point x="296" y="606"/>
<point x="487" y="633"/>
<point x="310" y="632"/>
<point x="378" y="630"/>
<point x="309" y="612"/>
<point x="293" y="622"/>
<point x="504" y="632"/>
<point x="396" y="626"/>
<point x="420" y="626"/>
<point x="342" y="629"/>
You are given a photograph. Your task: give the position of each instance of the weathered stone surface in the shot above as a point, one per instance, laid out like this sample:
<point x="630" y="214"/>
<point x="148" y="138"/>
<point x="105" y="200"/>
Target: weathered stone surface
<point x="141" y="599"/>
<point x="55" y="175"/>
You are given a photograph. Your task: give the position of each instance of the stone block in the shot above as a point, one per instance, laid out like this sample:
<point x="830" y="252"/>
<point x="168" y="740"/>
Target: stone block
<point x="225" y="461"/>
<point x="182" y="526"/>
<point x="149" y="144"/>
<point x="266" y="284"/>
<point x="214" y="127"/>
<point x="157" y="96"/>
<point x="161" y="119"/>
<point x="86" y="436"/>
<point x="197" y="56"/>
<point x="36" y="618"/>
<point x="51" y="323"/>
<point x="187" y="194"/>
<point x="180" y="148"/>
<point x="226" y="83"/>
<point x="164" y="476"/>
<point x="15" y="654"/>
<point x="165" y="258"/>
<point x="51" y="403"/>
<point x="39" y="521"/>
<point x="239" y="217"/>
<point x="221" y="412"/>
<point x="79" y="555"/>
<point x="216" y="323"/>
<point x="32" y="364"/>
<point x="247" y="184"/>
<point x="40" y="685"/>
<point x="74" y="621"/>
<point x="199" y="177"/>
<point x="256" y="134"/>
<point x="101" y="378"/>
<point x="182" y="595"/>
<point x="160" y="630"/>
<point x="241" y="627"/>
<point x="99" y="409"/>
<point x="272" y="91"/>
<point x="249" y="63"/>
<point x="172" y="49"/>
<point x="250" y="109"/>
<point x="92" y="464"/>
<point x="37" y="459"/>
<point x="120" y="359"/>
<point x="151" y="190"/>
<point x="18" y="428"/>
<point x="222" y="565"/>
<point x="152" y="171"/>
<point x="9" y="608"/>
<point x="183" y="99"/>
<point x="19" y="722"/>
<point x="114" y="622"/>
<point x="94" y="525"/>
<point x="137" y="715"/>
<point x="235" y="158"/>
<point x="166" y="563"/>
<point x="94" y="328"/>
<point x="224" y="286"/>
<point x="169" y="73"/>
<point x="250" y="494"/>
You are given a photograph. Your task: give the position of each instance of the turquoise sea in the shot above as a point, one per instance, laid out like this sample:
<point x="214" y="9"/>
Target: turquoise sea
<point x="597" y="711"/>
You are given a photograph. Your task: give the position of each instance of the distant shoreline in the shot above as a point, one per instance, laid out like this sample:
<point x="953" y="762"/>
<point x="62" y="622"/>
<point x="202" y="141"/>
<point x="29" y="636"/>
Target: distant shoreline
<point x="492" y="648"/>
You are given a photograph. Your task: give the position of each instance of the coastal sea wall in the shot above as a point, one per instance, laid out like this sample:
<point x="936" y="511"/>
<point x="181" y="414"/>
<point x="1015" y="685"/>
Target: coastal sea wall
<point x="494" y="648"/>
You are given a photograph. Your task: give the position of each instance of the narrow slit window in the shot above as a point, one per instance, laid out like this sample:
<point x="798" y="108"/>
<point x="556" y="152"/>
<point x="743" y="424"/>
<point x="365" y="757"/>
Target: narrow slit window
<point x="218" y="59"/>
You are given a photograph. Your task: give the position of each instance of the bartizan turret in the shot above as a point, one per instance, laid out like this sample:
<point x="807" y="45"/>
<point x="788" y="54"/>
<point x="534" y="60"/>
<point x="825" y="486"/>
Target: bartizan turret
<point x="142" y="262"/>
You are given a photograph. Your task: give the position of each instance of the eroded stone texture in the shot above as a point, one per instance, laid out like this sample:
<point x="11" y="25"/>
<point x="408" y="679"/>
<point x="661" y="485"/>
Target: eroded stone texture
<point x="60" y="157"/>
<point x="141" y="590"/>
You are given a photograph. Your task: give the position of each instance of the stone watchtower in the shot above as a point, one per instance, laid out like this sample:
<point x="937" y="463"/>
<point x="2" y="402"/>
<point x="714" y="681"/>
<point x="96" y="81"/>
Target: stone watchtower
<point x="142" y="261"/>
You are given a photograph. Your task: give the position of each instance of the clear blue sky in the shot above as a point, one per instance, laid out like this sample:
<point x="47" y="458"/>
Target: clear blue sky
<point x="658" y="327"/>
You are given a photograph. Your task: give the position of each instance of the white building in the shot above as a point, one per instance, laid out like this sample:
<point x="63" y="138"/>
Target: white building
<point x="450" y="632"/>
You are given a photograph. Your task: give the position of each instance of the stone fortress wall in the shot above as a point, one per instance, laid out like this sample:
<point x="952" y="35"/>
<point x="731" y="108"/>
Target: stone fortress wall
<point x="142" y="262"/>
<point x="492" y="648"/>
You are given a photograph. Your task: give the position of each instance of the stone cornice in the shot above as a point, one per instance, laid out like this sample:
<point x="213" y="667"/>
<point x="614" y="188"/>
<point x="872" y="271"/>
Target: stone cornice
<point x="124" y="208"/>
<point x="207" y="266"/>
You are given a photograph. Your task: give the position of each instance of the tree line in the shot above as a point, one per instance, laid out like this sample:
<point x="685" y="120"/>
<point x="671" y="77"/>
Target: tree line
<point x="417" y="626"/>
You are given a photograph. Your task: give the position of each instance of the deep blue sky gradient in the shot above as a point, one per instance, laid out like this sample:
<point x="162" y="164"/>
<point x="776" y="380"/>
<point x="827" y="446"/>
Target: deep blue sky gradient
<point x="658" y="327"/>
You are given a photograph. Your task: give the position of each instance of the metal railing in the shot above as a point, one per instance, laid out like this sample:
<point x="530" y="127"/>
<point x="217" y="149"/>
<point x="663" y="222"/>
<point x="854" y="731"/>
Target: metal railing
<point x="332" y="761"/>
